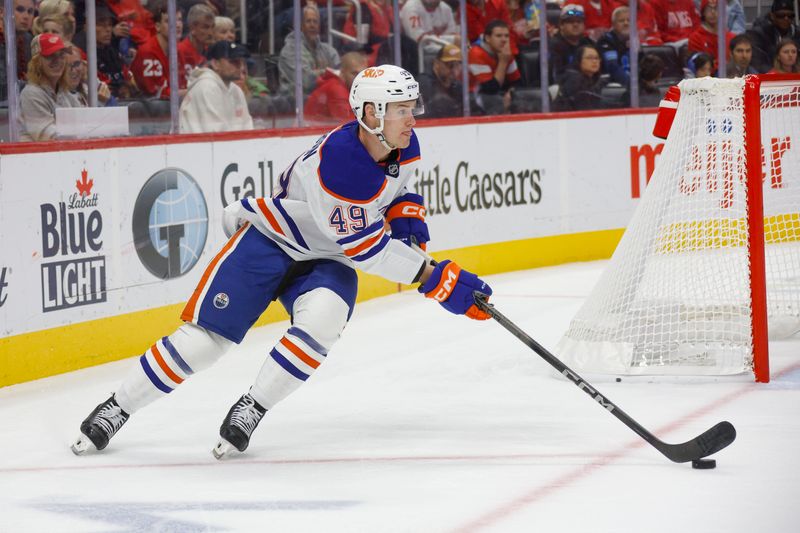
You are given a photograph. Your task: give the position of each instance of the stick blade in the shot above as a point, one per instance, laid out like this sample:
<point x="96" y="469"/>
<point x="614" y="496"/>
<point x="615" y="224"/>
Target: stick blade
<point x="708" y="443"/>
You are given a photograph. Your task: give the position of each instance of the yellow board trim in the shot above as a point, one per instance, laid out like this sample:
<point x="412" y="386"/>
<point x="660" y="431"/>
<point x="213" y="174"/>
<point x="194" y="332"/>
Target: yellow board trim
<point x="39" y="354"/>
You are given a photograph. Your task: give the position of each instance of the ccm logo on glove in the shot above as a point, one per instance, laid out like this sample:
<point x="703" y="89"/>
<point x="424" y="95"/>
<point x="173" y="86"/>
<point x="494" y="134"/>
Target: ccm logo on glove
<point x="454" y="288"/>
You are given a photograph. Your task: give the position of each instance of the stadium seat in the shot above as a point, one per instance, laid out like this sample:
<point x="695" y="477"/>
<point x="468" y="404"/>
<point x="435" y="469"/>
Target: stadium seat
<point x="529" y="67"/>
<point x="668" y="54"/>
<point x="614" y="96"/>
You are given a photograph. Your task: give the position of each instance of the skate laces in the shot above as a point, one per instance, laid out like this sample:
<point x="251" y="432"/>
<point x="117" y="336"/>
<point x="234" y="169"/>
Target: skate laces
<point x="110" y="418"/>
<point x="246" y="415"/>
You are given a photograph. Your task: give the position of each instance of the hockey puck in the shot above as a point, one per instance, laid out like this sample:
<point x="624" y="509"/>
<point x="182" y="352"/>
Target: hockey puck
<point x="704" y="464"/>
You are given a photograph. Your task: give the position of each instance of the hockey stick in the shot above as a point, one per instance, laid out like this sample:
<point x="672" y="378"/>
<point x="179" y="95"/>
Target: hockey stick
<point x="705" y="444"/>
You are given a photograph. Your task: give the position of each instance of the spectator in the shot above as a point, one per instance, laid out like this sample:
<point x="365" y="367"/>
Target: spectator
<point x="649" y="30"/>
<point x="481" y="12"/>
<point x="315" y="56"/>
<point x="201" y="34"/>
<point x="133" y="21"/>
<point x="23" y="23"/>
<point x="565" y="43"/>
<point x="429" y="17"/>
<point x="768" y="31"/>
<point x="111" y="66"/>
<point x="651" y="67"/>
<point x="330" y="100"/>
<point x="58" y="8"/>
<point x="213" y="103"/>
<point x="704" y="38"/>
<point x="492" y="69"/>
<point x="378" y="17"/>
<point x="699" y="65"/>
<point x="45" y="89"/>
<point x="77" y="89"/>
<point x="613" y="47"/>
<point x="580" y="86"/>
<point x="741" y="48"/>
<point x="150" y="67"/>
<point x="786" y="59"/>
<point x="56" y="24"/>
<point x="597" y="14"/>
<point x="224" y="29"/>
<point x="676" y="19"/>
<point x="736" y="20"/>
<point x="442" y="89"/>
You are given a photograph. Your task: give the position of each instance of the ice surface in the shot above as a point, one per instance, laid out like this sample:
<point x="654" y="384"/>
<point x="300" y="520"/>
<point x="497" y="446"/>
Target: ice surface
<point x="420" y="421"/>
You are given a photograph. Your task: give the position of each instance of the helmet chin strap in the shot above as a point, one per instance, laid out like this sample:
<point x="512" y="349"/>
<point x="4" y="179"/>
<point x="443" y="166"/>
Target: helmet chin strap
<point x="378" y="132"/>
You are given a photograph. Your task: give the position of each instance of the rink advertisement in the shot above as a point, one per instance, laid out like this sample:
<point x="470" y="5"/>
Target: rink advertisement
<point x="102" y="246"/>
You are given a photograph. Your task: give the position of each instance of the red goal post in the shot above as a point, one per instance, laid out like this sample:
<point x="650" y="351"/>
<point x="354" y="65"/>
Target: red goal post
<point x="709" y="266"/>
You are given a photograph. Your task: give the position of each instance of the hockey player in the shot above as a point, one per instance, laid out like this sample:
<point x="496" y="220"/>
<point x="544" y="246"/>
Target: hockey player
<point x="301" y="246"/>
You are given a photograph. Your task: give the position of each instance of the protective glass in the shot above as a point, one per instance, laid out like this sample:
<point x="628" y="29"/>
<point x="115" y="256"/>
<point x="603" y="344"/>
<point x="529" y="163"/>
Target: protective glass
<point x="404" y="110"/>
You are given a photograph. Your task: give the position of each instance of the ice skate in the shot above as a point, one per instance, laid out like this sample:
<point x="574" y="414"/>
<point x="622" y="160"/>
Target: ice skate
<point x="98" y="428"/>
<point x="238" y="426"/>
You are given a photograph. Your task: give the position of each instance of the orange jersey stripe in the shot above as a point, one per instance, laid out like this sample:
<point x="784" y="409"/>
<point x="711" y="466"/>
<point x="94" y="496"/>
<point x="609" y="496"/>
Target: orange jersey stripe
<point x="188" y="311"/>
<point x="407" y="161"/>
<point x="262" y="205"/>
<point x="364" y="245"/>
<point x="163" y="364"/>
<point x="299" y="353"/>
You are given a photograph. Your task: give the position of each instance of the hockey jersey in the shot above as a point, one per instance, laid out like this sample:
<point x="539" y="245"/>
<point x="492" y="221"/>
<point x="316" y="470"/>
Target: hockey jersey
<point x="330" y="204"/>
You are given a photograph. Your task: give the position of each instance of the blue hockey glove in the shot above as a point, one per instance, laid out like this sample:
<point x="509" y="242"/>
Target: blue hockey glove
<point x="454" y="288"/>
<point x="406" y="217"/>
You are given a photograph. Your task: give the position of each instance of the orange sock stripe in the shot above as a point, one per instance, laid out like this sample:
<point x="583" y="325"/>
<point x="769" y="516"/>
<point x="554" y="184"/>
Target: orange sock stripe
<point x="262" y="206"/>
<point x="188" y="311"/>
<point x="364" y="245"/>
<point x="299" y="353"/>
<point x="163" y="364"/>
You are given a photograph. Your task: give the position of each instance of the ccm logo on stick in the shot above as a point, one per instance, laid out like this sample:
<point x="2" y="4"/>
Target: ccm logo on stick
<point x="599" y="398"/>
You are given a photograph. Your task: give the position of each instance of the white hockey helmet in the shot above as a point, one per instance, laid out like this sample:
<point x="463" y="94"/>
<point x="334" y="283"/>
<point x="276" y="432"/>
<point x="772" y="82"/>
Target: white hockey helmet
<point x="380" y="86"/>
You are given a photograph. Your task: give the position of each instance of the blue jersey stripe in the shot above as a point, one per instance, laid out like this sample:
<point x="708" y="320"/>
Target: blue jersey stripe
<point x="176" y="356"/>
<point x="152" y="375"/>
<point x="308" y="339"/>
<point x="373" y="250"/>
<point x="361" y="234"/>
<point x="289" y="367"/>
<point x="298" y="237"/>
<point x="246" y="204"/>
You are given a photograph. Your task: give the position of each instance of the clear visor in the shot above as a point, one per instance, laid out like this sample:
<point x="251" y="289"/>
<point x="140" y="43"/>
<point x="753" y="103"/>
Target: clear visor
<point x="404" y="110"/>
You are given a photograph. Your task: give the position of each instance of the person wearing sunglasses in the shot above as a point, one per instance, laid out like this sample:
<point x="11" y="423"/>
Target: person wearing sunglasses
<point x="772" y="28"/>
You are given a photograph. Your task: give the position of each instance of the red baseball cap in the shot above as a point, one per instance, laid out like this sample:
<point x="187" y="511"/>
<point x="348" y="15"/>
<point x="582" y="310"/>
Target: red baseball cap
<point x="46" y="44"/>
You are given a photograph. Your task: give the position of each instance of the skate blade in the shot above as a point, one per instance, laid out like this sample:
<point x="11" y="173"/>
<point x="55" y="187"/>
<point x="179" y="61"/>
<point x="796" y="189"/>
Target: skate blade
<point x="223" y="449"/>
<point x="82" y="445"/>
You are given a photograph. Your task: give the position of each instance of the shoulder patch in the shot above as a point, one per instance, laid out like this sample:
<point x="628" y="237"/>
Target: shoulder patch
<point x="346" y="170"/>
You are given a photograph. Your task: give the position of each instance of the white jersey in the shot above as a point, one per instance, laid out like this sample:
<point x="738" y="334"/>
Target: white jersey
<point x="331" y="205"/>
<point x="418" y="21"/>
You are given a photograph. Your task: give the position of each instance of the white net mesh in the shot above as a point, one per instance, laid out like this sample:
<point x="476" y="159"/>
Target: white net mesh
<point x="675" y="297"/>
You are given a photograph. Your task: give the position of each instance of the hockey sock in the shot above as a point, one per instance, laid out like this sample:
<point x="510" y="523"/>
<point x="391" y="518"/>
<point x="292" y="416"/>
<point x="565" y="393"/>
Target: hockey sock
<point x="168" y="363"/>
<point x="318" y="319"/>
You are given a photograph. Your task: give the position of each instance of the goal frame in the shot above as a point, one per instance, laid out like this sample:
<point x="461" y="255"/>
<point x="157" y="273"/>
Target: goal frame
<point x="755" y="216"/>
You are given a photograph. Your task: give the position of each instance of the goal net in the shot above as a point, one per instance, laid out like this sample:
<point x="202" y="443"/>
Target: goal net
<point x="707" y="257"/>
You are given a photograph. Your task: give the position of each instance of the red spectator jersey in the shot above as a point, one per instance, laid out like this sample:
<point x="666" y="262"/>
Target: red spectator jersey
<point x="493" y="10"/>
<point x="140" y="19"/>
<point x="596" y="15"/>
<point x="676" y="19"/>
<point x="482" y="65"/>
<point x="330" y="100"/>
<point x="702" y="40"/>
<point x="380" y="19"/>
<point x="151" y="69"/>
<point x="191" y="58"/>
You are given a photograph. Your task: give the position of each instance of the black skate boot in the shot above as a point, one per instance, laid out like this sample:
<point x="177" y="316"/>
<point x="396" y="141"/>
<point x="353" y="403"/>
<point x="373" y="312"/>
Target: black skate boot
<point x="101" y="424"/>
<point x="237" y="427"/>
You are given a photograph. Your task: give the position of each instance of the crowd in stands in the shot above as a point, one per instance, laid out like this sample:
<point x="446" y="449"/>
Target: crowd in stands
<point x="223" y="84"/>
